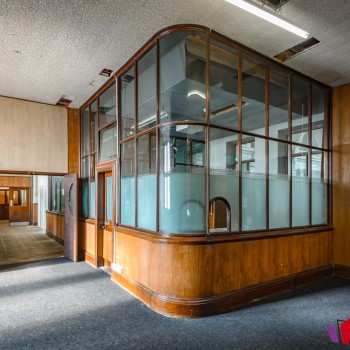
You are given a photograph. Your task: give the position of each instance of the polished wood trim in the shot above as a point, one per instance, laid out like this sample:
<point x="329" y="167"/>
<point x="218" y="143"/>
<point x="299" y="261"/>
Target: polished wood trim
<point x="200" y="307"/>
<point x="58" y="213"/>
<point x="87" y="220"/>
<point x="16" y="181"/>
<point x="73" y="140"/>
<point x="216" y="239"/>
<point x="341" y="270"/>
<point x="85" y="256"/>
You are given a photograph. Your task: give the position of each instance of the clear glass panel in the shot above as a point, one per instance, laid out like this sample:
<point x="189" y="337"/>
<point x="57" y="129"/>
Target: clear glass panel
<point x="278" y="185"/>
<point x="58" y="194"/>
<point x="109" y="198"/>
<point x="300" y="107"/>
<point x="109" y="143"/>
<point x="92" y="187"/>
<point x="127" y="96"/>
<point x="107" y="108"/>
<point x="128" y="184"/>
<point x="182" y="186"/>
<point x="223" y="173"/>
<point x="318" y="116"/>
<point x="85" y="187"/>
<point x="53" y="193"/>
<point x="93" y="127"/>
<point x="278" y="104"/>
<point x="300" y="186"/>
<point x="319" y="188"/>
<point x="182" y="77"/>
<point x="146" y="85"/>
<point x="85" y="131"/>
<point x="62" y="194"/>
<point x="253" y="95"/>
<point x="223" y="85"/>
<point x="253" y="184"/>
<point x="146" y="183"/>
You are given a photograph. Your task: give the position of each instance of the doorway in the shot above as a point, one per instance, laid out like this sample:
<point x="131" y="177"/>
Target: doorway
<point x="105" y="209"/>
<point x="4" y="204"/>
<point x="19" y="206"/>
<point x="219" y="215"/>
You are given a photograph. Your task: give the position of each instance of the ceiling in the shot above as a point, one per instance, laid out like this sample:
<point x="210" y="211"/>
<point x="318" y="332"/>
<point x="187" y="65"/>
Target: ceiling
<point x="51" y="48"/>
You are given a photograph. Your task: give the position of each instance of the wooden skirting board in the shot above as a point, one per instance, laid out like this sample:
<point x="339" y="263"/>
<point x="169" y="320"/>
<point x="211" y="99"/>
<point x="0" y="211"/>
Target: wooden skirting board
<point x="87" y="257"/>
<point x="54" y="237"/>
<point x="201" y="307"/>
<point x="341" y="270"/>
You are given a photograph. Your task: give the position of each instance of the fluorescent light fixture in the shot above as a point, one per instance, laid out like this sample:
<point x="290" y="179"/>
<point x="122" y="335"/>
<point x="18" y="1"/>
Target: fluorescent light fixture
<point x="196" y="92"/>
<point x="268" y="16"/>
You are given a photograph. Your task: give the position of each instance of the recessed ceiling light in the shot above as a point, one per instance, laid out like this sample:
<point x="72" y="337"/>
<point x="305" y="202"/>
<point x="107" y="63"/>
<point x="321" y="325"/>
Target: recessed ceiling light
<point x="268" y="16"/>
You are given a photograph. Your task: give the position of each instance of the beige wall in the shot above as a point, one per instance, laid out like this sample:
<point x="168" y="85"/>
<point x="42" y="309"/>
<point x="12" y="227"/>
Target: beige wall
<point x="33" y="137"/>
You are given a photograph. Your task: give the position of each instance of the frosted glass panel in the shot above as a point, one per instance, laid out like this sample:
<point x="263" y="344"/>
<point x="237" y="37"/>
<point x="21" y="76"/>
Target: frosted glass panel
<point x="146" y="197"/>
<point x="319" y="190"/>
<point x="278" y="185"/>
<point x="253" y="184"/>
<point x="300" y="201"/>
<point x="109" y="198"/>
<point x="92" y="198"/>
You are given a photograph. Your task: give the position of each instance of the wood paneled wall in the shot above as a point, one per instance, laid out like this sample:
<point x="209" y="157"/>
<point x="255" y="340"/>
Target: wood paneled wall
<point x="55" y="225"/>
<point x="87" y="238"/>
<point x="73" y="140"/>
<point x="15" y="181"/>
<point x="192" y="271"/>
<point x="341" y="174"/>
<point x="33" y="137"/>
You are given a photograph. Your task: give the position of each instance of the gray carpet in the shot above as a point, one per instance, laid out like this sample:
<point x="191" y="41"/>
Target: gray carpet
<point x="56" y="304"/>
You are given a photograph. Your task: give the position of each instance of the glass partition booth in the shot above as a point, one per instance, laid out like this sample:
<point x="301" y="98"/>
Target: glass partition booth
<point x="218" y="165"/>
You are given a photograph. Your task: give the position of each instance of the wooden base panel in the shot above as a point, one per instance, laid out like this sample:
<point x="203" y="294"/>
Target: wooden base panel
<point x="54" y="237"/>
<point x="341" y="270"/>
<point x="202" y="307"/>
<point x="85" y="256"/>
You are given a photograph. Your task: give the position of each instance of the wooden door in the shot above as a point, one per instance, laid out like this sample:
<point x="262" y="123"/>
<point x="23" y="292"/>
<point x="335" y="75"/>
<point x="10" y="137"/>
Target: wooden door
<point x="107" y="244"/>
<point x="19" y="206"/>
<point x="70" y="217"/>
<point x="4" y="204"/>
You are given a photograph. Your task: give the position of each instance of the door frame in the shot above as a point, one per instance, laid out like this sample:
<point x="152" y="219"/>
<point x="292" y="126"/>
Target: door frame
<point x="29" y="202"/>
<point x="100" y="171"/>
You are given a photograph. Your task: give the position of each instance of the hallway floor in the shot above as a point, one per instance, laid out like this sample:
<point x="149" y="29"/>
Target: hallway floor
<point x="20" y="244"/>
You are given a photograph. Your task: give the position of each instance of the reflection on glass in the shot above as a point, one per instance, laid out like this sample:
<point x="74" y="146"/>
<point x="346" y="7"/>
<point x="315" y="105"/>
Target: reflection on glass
<point x="300" y="110"/>
<point x="127" y="103"/>
<point x="278" y="104"/>
<point x="85" y="187"/>
<point x="146" y="182"/>
<point x="253" y="95"/>
<point x="93" y="127"/>
<point x="109" y="143"/>
<point x="182" y="186"/>
<point x="109" y="198"/>
<point x="300" y="186"/>
<point x="146" y="85"/>
<point x="278" y="185"/>
<point x="319" y="188"/>
<point x="85" y="131"/>
<point x="127" y="184"/>
<point x="107" y="107"/>
<point x="92" y="187"/>
<point x="253" y="184"/>
<point x="223" y="85"/>
<point x="318" y="116"/>
<point x="223" y="173"/>
<point x="182" y="77"/>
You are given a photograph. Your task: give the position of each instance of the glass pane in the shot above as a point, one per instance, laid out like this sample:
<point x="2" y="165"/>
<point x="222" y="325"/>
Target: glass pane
<point x="318" y="116"/>
<point x="300" y="106"/>
<point x="146" y="85"/>
<point x="182" y="77"/>
<point x="253" y="184"/>
<point x="128" y="184"/>
<point x="182" y="186"/>
<point x="278" y="104"/>
<point x="92" y="187"/>
<point x="107" y="108"/>
<point x="127" y="103"/>
<point x="109" y="143"/>
<point x="146" y="184"/>
<point x="53" y="193"/>
<point x="253" y="95"/>
<point x="62" y="194"/>
<point x="93" y="127"/>
<point x="223" y="173"/>
<point x="223" y="85"/>
<point x="85" y="131"/>
<point x="300" y="186"/>
<point x="278" y="185"/>
<point x="85" y="187"/>
<point x="109" y="198"/>
<point x="319" y="189"/>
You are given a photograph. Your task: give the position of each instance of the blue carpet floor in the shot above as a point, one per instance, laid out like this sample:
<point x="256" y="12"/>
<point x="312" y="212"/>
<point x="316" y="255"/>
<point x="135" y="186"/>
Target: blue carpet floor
<point x="56" y="304"/>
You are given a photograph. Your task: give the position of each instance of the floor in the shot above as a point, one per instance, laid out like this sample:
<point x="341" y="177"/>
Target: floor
<point x="20" y="244"/>
<point x="58" y="304"/>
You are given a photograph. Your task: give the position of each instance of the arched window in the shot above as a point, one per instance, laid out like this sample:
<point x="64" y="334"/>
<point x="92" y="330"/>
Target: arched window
<point x="219" y="215"/>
